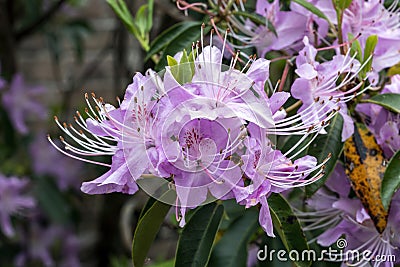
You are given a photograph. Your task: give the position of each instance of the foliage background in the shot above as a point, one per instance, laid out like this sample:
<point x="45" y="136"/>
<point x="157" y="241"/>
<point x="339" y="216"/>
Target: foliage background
<point x="70" y="48"/>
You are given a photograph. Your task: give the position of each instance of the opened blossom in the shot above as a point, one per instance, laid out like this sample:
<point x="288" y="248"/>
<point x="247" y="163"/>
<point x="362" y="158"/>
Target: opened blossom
<point x="289" y="28"/>
<point x="203" y="128"/>
<point x="326" y="82"/>
<point x="333" y="210"/>
<point x="363" y="19"/>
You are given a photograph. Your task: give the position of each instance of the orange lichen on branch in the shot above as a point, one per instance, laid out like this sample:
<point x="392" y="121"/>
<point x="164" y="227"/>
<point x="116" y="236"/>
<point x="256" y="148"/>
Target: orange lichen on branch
<point x="365" y="167"/>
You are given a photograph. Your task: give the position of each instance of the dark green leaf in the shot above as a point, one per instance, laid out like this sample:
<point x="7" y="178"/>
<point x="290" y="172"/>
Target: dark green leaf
<point x="231" y="250"/>
<point x="147" y="229"/>
<point x="166" y="37"/>
<point x="182" y="41"/>
<point x="313" y="9"/>
<point x="391" y="180"/>
<point x="150" y="202"/>
<point x="287" y="226"/>
<point x="291" y="142"/>
<point x="325" y="144"/>
<point x="195" y="242"/>
<point x="232" y="211"/>
<point x="389" y="101"/>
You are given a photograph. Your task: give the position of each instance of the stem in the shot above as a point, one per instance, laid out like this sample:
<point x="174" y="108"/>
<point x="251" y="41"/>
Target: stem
<point x="186" y="5"/>
<point x="284" y="76"/>
<point x="339" y="16"/>
<point x="294" y="106"/>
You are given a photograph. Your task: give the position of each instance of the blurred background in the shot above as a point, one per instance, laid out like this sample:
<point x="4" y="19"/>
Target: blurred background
<point x="52" y="52"/>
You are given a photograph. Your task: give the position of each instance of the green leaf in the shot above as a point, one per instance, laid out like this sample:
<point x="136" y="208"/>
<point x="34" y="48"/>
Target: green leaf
<point x="180" y="42"/>
<point x="186" y="68"/>
<point x="391" y="180"/>
<point x="231" y="250"/>
<point x="258" y="19"/>
<point x="141" y="20"/>
<point x="343" y="4"/>
<point x="150" y="8"/>
<point x="147" y="229"/>
<point x="370" y="45"/>
<point x="389" y="101"/>
<point x="287" y="226"/>
<point x="313" y="9"/>
<point x="184" y="58"/>
<point x="123" y="13"/>
<point x="394" y="70"/>
<point x="232" y="211"/>
<point x="182" y="71"/>
<point x="169" y="263"/>
<point x="171" y="61"/>
<point x="195" y="242"/>
<point x="325" y="144"/>
<point x="355" y="48"/>
<point x="166" y="37"/>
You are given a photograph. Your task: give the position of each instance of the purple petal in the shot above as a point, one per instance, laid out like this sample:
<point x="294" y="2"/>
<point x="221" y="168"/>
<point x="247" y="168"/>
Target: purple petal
<point x="265" y="218"/>
<point x="277" y="100"/>
<point x="306" y="71"/>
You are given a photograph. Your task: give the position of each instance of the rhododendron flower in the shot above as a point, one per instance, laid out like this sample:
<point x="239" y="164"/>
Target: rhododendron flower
<point x="197" y="126"/>
<point x="271" y="171"/>
<point x="365" y="18"/>
<point x="321" y="81"/>
<point x="362" y="19"/>
<point x="13" y="200"/>
<point x="290" y="28"/>
<point x="334" y="211"/>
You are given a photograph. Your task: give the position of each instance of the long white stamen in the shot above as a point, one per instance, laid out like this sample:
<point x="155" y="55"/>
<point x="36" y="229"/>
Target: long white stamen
<point x="75" y="157"/>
